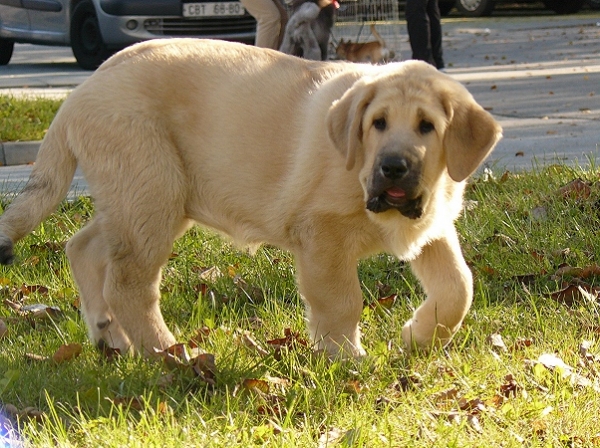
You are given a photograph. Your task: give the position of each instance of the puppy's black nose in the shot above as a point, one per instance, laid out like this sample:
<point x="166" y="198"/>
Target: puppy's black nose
<point x="394" y="167"/>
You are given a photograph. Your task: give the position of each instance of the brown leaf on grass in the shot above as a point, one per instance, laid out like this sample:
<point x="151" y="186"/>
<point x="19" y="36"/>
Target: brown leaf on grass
<point x="174" y="357"/>
<point x="177" y="357"/>
<point x="67" y="352"/>
<point x="497" y="342"/>
<point x="291" y="341"/>
<point x="406" y="383"/>
<point x="521" y="343"/>
<point x="50" y="246"/>
<point x="139" y="404"/>
<point x="576" y="293"/>
<point x="256" y="385"/>
<point x="510" y="387"/>
<point x="576" y="189"/>
<point x="28" y="289"/>
<point x="199" y="337"/>
<point x="3" y="329"/>
<point x="211" y="274"/>
<point x="13" y="305"/>
<point x="205" y="367"/>
<point x="36" y="358"/>
<point x="385" y="302"/>
<point x="330" y="438"/>
<point x="107" y="352"/>
<point x="447" y="394"/>
<point x="249" y="341"/>
<point x="582" y="273"/>
<point x="473" y="406"/>
<point x="32" y="413"/>
<point x="353" y="387"/>
<point x="39" y="311"/>
<point x="474" y="423"/>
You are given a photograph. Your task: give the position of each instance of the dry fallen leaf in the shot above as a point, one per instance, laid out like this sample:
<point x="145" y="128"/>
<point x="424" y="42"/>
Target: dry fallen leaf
<point x="3" y="328"/>
<point x="250" y="342"/>
<point x="66" y="352"/>
<point x="497" y="342"/>
<point x="447" y="394"/>
<point x="510" y="386"/>
<point x="576" y="189"/>
<point x="256" y="385"/>
<point x="576" y="293"/>
<point x="205" y="368"/>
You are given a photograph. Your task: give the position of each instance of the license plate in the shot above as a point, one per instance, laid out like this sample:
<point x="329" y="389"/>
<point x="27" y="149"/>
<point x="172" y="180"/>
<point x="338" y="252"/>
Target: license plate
<point x="213" y="9"/>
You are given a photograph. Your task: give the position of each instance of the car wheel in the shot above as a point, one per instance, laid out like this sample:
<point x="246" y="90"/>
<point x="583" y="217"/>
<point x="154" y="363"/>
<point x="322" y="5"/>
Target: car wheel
<point x="563" y="7"/>
<point x="6" y="50"/>
<point x="594" y="4"/>
<point x="446" y="6"/>
<point x="86" y="40"/>
<point x="475" y="8"/>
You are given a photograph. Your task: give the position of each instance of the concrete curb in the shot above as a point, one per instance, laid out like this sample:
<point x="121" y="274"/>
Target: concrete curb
<point x="18" y="153"/>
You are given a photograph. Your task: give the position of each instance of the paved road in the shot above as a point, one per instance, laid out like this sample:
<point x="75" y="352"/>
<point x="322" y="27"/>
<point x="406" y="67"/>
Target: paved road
<point x="539" y="76"/>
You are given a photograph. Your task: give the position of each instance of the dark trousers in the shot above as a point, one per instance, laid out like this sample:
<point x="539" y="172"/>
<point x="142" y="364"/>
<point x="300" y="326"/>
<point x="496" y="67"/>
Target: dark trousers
<point x="423" y="20"/>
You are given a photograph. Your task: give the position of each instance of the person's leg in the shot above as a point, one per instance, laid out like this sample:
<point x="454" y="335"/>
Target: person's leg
<point x="268" y="20"/>
<point x="435" y="27"/>
<point x="417" y="22"/>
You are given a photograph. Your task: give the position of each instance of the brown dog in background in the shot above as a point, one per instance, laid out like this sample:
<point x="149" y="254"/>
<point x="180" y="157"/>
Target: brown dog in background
<point x="374" y="52"/>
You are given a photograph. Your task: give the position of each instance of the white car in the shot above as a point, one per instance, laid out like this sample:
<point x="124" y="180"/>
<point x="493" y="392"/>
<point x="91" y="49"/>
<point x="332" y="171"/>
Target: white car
<point x="476" y="8"/>
<point x="97" y="28"/>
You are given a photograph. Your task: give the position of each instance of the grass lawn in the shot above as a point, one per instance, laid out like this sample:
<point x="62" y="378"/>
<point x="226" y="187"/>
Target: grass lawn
<point x="522" y="371"/>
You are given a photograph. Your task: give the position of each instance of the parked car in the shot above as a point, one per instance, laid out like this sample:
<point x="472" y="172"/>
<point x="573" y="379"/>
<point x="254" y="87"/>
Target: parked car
<point x="97" y="28"/>
<point x="476" y="8"/>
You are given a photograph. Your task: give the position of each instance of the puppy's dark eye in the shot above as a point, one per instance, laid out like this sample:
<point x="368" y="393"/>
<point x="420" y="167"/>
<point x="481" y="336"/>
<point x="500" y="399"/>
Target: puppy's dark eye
<point x="380" y="124"/>
<point x="425" y="127"/>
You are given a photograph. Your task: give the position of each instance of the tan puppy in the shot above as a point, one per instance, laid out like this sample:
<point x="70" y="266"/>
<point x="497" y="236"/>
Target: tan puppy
<point x="374" y="52"/>
<point x="332" y="161"/>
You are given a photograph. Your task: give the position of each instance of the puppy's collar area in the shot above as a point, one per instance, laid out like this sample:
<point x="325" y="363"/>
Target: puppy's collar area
<point x="411" y="208"/>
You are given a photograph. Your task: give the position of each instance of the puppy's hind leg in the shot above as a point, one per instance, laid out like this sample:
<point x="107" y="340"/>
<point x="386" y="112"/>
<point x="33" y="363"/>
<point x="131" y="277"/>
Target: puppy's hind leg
<point x="139" y="242"/>
<point x="88" y="257"/>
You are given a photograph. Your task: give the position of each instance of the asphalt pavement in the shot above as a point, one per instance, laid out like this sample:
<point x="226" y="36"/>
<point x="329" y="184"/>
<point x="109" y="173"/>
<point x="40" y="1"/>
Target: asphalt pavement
<point x="539" y="76"/>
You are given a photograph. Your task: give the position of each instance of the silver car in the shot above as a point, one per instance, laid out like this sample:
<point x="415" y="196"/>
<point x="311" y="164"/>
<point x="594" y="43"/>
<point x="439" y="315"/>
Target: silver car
<point x="97" y="28"/>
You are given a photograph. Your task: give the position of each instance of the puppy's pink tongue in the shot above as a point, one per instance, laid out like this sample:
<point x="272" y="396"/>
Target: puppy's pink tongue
<point x="396" y="192"/>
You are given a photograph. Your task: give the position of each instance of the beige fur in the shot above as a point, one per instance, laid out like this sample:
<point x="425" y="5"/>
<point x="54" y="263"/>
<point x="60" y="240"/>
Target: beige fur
<point x="263" y="147"/>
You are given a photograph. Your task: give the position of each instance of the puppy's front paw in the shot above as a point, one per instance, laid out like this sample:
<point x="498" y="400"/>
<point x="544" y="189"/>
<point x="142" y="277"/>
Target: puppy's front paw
<point x="344" y="349"/>
<point x="420" y="335"/>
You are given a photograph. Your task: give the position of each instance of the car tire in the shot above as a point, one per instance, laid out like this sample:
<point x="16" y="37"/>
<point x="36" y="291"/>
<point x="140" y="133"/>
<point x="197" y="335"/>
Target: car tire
<point x="6" y="50"/>
<point x="86" y="39"/>
<point x="564" y="7"/>
<point x="594" y="4"/>
<point x="446" y="6"/>
<point x="475" y="8"/>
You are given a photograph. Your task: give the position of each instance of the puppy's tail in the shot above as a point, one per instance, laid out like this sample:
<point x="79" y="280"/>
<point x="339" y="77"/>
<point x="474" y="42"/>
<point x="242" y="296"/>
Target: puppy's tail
<point x="47" y="186"/>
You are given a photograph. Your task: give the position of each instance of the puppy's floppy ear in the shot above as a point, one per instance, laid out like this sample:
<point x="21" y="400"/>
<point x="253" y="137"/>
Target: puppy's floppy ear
<point x="344" y="120"/>
<point x="471" y="135"/>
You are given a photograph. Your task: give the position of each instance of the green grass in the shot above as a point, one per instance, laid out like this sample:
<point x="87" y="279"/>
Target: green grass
<point x="26" y="119"/>
<point x="516" y="236"/>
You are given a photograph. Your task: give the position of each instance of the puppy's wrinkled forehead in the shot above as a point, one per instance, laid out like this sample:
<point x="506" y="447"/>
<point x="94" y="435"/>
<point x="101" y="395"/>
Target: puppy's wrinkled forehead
<point x="404" y="94"/>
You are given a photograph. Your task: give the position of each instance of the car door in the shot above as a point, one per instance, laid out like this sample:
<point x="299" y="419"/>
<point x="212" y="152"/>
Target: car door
<point x="49" y="20"/>
<point x="14" y="21"/>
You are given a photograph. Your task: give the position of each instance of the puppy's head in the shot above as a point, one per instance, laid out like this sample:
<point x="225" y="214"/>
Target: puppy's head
<point x="404" y="128"/>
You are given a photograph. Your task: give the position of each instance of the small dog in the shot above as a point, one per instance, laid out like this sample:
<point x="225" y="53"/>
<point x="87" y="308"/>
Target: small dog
<point x="374" y="52"/>
<point x="308" y="29"/>
<point x="332" y="161"/>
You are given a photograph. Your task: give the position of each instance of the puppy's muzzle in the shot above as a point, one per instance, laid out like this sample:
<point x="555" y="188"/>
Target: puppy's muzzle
<point x="394" y="185"/>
